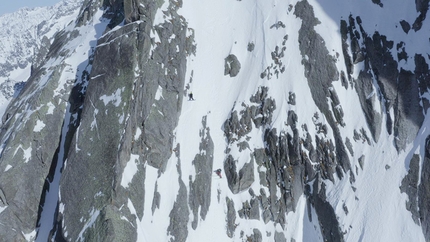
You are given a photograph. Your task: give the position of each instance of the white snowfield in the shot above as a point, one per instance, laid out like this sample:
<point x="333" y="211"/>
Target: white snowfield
<point x="377" y="210"/>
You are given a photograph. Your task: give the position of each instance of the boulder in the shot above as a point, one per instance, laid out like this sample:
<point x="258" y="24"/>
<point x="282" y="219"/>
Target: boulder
<point x="238" y="181"/>
<point x="231" y="66"/>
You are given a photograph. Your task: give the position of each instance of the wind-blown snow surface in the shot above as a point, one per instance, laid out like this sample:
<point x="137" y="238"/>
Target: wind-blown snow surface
<point x="377" y="210"/>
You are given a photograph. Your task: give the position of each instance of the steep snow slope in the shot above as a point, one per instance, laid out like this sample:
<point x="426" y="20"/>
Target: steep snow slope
<point x="376" y="210"/>
<point x="304" y="133"/>
<point x="316" y="112"/>
<point x="217" y="37"/>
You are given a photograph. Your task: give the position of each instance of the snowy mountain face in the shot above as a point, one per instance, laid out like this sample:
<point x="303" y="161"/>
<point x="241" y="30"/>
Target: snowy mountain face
<point x="25" y="36"/>
<point x="315" y="112"/>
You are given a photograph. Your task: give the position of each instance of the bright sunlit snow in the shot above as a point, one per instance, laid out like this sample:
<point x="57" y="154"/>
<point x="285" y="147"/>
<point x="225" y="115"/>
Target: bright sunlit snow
<point x="377" y="210"/>
<point x="376" y="207"/>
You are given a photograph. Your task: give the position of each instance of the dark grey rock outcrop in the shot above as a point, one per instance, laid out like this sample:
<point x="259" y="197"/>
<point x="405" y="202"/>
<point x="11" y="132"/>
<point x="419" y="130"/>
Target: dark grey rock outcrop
<point x="409" y="111"/>
<point x="30" y="138"/>
<point x="395" y="89"/>
<point x="128" y="70"/>
<point x="423" y="77"/>
<point x="284" y="171"/>
<point x="238" y="180"/>
<point x="97" y="123"/>
<point x="250" y="47"/>
<point x="156" y="200"/>
<point x="405" y="26"/>
<point x="320" y="72"/>
<point x="345" y="51"/>
<point x="250" y="210"/>
<point x="255" y="237"/>
<point x="179" y="215"/>
<point x="279" y="237"/>
<point x="259" y="114"/>
<point x="422" y="6"/>
<point x="292" y="98"/>
<point x="326" y="216"/>
<point x="231" y="66"/>
<point x="410" y="187"/>
<point x="424" y="192"/>
<point x="276" y="67"/>
<point x="349" y="146"/>
<point x="89" y="8"/>
<point x="364" y="82"/>
<point x="361" y="161"/>
<point x="378" y="2"/>
<point x="231" y="218"/>
<point x="280" y="163"/>
<point x="42" y="52"/>
<point x="200" y="187"/>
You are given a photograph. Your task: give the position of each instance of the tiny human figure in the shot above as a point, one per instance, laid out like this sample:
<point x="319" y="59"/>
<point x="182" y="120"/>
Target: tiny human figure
<point x="218" y="172"/>
<point x="190" y="96"/>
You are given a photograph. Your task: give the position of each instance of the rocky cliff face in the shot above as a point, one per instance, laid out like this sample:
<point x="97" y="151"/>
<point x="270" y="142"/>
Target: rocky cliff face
<point x="319" y="137"/>
<point x="131" y="108"/>
<point x="25" y="38"/>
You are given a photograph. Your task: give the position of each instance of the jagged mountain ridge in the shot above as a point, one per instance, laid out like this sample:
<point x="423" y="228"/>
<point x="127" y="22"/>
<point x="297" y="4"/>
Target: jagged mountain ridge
<point x="318" y="119"/>
<point x="25" y="36"/>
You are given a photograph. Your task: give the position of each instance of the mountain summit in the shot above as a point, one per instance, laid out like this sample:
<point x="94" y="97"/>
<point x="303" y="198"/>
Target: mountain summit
<point x="308" y="122"/>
